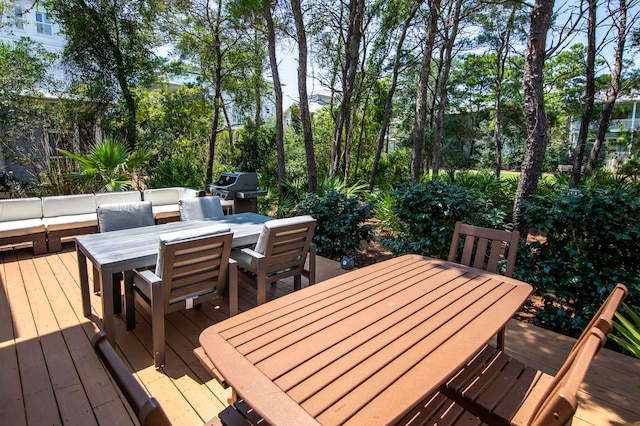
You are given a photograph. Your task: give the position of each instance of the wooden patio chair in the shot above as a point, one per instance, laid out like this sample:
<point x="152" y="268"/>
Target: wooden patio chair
<point x="281" y="252"/>
<point x="485" y="248"/>
<point x="115" y="217"/>
<point x="192" y="267"/>
<point x="200" y="208"/>
<point x="497" y="389"/>
<point x="146" y="408"/>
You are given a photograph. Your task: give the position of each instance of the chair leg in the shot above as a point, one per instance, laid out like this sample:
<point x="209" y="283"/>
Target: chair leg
<point x="130" y="303"/>
<point x="233" y="288"/>
<point x="157" y="325"/>
<point x="297" y="282"/>
<point x="261" y="281"/>
<point x="312" y="264"/>
<point x="500" y="339"/>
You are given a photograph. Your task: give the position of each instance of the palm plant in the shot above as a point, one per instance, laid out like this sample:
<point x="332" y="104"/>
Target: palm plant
<point x="630" y="331"/>
<point x="108" y="166"/>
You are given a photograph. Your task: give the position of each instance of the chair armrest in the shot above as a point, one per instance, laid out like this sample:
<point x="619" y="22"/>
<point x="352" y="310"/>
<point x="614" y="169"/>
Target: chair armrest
<point x="148" y="276"/>
<point x="252" y="253"/>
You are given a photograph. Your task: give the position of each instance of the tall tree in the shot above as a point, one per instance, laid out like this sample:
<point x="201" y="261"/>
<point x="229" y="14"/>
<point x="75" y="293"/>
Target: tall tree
<point x="277" y="89"/>
<point x="449" y="34"/>
<point x="305" y="115"/>
<point x="109" y="48"/>
<point x="423" y="83"/>
<point x="612" y="94"/>
<point x="349" y="74"/>
<point x="589" y="94"/>
<point x="537" y="136"/>
<point x="500" y="26"/>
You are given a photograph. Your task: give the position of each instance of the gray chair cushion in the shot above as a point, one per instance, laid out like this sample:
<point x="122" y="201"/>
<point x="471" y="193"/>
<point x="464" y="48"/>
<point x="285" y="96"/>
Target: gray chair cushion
<point x="200" y="208"/>
<point x="114" y="217"/>
<point x="185" y="235"/>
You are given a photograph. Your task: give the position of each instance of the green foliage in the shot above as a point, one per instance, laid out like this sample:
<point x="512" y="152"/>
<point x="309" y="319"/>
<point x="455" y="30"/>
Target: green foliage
<point x="425" y="215"/>
<point x="256" y="150"/>
<point x="177" y="124"/>
<point x="629" y="328"/>
<point x="341" y="222"/>
<point x="591" y="241"/>
<point x="631" y="168"/>
<point x="108" y="166"/>
<point x="501" y="192"/>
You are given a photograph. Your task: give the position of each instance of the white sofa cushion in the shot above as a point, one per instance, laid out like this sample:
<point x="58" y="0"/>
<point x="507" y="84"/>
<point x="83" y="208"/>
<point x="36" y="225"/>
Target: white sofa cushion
<point x="117" y="197"/>
<point x="75" y="221"/>
<point x="68" y="205"/>
<point x="20" y="209"/>
<point x="17" y="228"/>
<point x="165" y="196"/>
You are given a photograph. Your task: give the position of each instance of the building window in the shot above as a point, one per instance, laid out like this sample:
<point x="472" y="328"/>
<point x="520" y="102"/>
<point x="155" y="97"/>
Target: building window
<point x="43" y="24"/>
<point x="52" y="145"/>
<point x="17" y="17"/>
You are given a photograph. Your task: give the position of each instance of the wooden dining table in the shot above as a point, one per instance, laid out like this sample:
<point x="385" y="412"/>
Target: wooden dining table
<point x="364" y="347"/>
<point x="120" y="251"/>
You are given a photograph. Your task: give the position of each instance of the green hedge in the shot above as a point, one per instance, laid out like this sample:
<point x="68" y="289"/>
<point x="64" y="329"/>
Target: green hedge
<point x="590" y="241"/>
<point x="424" y="216"/>
<point x="341" y="222"/>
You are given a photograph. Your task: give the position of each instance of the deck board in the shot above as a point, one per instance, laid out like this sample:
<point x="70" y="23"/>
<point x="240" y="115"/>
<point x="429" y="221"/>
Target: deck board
<point x="55" y="377"/>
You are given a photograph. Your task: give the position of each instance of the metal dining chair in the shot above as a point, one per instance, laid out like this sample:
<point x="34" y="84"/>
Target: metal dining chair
<point x="200" y="208"/>
<point x="281" y="252"/>
<point x="116" y="217"/>
<point x="192" y="267"/>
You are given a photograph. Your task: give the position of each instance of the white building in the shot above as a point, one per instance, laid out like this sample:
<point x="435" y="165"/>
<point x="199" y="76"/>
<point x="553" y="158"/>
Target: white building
<point x="26" y="19"/>
<point x="623" y="132"/>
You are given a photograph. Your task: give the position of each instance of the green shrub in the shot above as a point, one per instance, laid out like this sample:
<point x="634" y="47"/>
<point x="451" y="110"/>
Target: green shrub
<point x="591" y="241"/>
<point x="424" y="216"/>
<point x="341" y="222"/>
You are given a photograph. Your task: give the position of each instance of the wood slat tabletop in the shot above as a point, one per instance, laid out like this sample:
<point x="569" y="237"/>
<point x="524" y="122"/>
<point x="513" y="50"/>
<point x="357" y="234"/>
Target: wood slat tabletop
<point x="365" y="346"/>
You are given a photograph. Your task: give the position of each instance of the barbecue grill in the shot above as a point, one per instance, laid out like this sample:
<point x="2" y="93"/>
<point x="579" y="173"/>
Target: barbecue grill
<point x="241" y="188"/>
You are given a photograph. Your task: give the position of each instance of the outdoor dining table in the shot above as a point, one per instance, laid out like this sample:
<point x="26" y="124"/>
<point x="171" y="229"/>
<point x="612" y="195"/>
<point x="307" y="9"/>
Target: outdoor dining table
<point x="119" y="251"/>
<point x="363" y="347"/>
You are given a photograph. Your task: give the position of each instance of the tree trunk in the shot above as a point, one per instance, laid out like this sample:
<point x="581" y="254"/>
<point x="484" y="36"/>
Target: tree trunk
<point x="536" y="118"/>
<point x="612" y="94"/>
<point x="423" y="85"/>
<point x="305" y="115"/>
<point x="352" y="56"/>
<point x="386" y="117"/>
<point x="218" y="95"/>
<point x="450" y="39"/>
<point x="589" y="96"/>
<point x="502" y="54"/>
<point x="277" y="88"/>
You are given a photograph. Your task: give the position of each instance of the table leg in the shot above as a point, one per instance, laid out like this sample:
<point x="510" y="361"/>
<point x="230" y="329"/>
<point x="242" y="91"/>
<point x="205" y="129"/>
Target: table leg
<point x="84" y="282"/>
<point x="108" y="324"/>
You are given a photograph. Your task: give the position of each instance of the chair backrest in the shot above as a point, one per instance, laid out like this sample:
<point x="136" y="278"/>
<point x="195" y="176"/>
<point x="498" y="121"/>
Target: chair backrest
<point x="147" y="409"/>
<point x="200" y="208"/>
<point x="502" y="245"/>
<point x="117" y="216"/>
<point x="560" y="400"/>
<point x="193" y="263"/>
<point x="285" y="242"/>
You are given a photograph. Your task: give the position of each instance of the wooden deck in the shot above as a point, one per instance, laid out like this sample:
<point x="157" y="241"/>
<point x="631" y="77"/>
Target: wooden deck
<point x="50" y="374"/>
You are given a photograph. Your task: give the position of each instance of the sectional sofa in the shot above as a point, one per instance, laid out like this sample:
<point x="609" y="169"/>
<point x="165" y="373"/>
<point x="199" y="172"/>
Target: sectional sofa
<point x="46" y="221"/>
